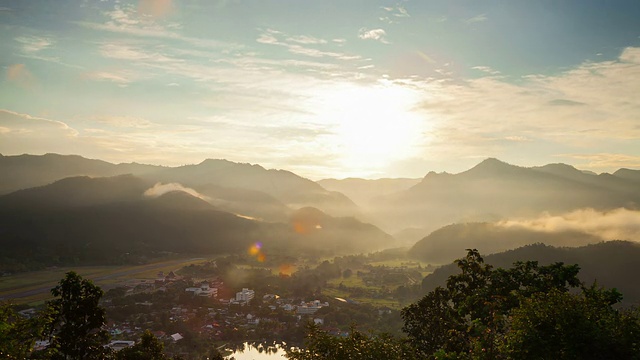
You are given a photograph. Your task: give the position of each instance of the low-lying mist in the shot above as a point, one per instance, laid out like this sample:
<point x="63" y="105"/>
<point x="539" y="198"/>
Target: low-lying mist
<point x="617" y="224"/>
<point x="160" y="189"/>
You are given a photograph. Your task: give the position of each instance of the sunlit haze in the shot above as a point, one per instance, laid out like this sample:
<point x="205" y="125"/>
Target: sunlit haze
<point x="324" y="89"/>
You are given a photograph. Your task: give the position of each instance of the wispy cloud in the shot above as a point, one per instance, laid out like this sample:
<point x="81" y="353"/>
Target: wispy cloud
<point x="33" y="44"/>
<point x="599" y="161"/>
<point x="476" y="19"/>
<point x="392" y="13"/>
<point x="292" y="43"/>
<point x="121" y="78"/>
<point x="373" y="34"/>
<point x="126" y="19"/>
<point x="486" y="69"/>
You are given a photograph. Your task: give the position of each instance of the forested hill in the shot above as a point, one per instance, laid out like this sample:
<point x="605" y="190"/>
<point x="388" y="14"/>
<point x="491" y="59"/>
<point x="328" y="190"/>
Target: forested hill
<point x="613" y="264"/>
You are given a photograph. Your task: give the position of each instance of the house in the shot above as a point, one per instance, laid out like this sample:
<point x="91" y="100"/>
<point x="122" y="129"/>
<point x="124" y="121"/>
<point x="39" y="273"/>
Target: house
<point x="176" y="337"/>
<point x="203" y="290"/>
<point x="245" y="295"/>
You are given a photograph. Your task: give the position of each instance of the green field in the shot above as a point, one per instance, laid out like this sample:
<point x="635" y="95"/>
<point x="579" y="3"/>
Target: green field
<point x="33" y="287"/>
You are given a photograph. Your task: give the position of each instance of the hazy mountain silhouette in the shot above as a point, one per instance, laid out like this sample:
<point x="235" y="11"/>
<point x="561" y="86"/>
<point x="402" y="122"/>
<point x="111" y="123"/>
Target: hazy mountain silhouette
<point x="445" y="244"/>
<point x="282" y="185"/>
<point x="337" y="234"/>
<point x="120" y="219"/>
<point x="78" y="191"/>
<point x="628" y="174"/>
<point x="363" y="191"/>
<point x="215" y="176"/>
<point x="26" y="171"/>
<point x="613" y="264"/>
<point x="494" y="189"/>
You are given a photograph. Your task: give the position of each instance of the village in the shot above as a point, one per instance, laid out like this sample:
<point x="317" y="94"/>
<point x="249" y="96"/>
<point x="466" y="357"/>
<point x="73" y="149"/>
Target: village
<point x="191" y="315"/>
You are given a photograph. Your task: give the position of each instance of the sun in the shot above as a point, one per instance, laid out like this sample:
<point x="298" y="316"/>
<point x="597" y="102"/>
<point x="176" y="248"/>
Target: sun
<point x="373" y="125"/>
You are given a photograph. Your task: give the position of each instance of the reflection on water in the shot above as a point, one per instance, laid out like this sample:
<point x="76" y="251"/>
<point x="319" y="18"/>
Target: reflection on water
<point x="258" y="352"/>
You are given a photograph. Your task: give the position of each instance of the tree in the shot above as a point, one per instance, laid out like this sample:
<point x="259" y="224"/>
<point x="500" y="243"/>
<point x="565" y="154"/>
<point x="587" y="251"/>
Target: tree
<point x="561" y="325"/>
<point x="17" y="333"/>
<point x="525" y="312"/>
<point x="75" y="319"/>
<point x="320" y="345"/>
<point x="148" y="348"/>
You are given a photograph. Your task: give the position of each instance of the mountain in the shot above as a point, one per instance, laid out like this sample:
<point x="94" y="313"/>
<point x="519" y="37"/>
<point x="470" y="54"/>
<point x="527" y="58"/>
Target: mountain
<point x="628" y="174"/>
<point x="124" y="219"/>
<point x="78" y="191"/>
<point x="363" y="191"/>
<point x="496" y="190"/>
<point x="445" y="244"/>
<point x="285" y="186"/>
<point x="613" y="264"/>
<point x="331" y="235"/>
<point x="285" y="190"/>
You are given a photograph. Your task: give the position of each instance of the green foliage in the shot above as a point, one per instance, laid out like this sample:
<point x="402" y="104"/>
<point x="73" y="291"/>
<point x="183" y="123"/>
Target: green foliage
<point x="560" y="325"/>
<point x="148" y="348"/>
<point x="320" y="345"/>
<point x="17" y="333"/>
<point x="525" y="312"/>
<point x="75" y="319"/>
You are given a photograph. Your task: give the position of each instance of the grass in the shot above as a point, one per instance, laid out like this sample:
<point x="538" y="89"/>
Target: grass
<point x="22" y="282"/>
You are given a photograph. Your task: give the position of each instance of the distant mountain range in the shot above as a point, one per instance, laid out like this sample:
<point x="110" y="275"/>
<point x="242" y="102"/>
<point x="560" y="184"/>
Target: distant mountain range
<point x="72" y="209"/>
<point x="494" y="190"/>
<point x="112" y="220"/>
<point x="447" y="243"/>
<point x="243" y="188"/>
<point x="612" y="264"/>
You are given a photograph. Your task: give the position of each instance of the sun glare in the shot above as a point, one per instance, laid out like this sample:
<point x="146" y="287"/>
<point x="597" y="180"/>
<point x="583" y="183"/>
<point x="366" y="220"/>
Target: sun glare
<point x="373" y="125"/>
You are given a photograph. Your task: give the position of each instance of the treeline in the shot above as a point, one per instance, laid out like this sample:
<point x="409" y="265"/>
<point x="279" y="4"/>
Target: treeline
<point x="527" y="311"/>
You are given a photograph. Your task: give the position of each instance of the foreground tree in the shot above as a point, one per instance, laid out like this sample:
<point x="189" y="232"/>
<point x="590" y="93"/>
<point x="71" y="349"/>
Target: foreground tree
<point x="525" y="312"/>
<point x="320" y="345"/>
<point x="148" y="348"/>
<point x="17" y="333"/>
<point x="75" y="320"/>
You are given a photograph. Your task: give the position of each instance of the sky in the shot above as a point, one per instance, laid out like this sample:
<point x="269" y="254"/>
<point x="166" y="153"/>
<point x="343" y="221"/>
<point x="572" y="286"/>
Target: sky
<point x="349" y="88"/>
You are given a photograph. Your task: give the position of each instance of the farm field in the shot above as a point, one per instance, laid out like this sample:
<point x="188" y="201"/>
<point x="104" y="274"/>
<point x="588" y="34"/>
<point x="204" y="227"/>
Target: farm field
<point x="34" y="287"/>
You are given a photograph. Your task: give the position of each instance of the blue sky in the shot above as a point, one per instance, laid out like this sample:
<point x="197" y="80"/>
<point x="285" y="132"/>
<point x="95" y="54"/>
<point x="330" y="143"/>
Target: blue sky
<point x="325" y="89"/>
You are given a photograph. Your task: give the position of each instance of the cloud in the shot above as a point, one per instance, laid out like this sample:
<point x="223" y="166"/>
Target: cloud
<point x="292" y="43"/>
<point x="121" y="78"/>
<point x="476" y="19"/>
<point x="618" y="224"/>
<point x="373" y="34"/>
<point x="22" y="133"/>
<point x="160" y="189"/>
<point x="604" y="160"/>
<point x="486" y="69"/>
<point x="125" y="122"/>
<point x="126" y="19"/>
<point x="517" y="138"/>
<point x="20" y="75"/>
<point x="33" y="44"/>
<point x="588" y="112"/>
<point x="304" y="39"/>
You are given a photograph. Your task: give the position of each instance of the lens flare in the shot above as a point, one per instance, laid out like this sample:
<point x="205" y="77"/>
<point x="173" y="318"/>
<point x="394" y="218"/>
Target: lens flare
<point x="255" y="250"/>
